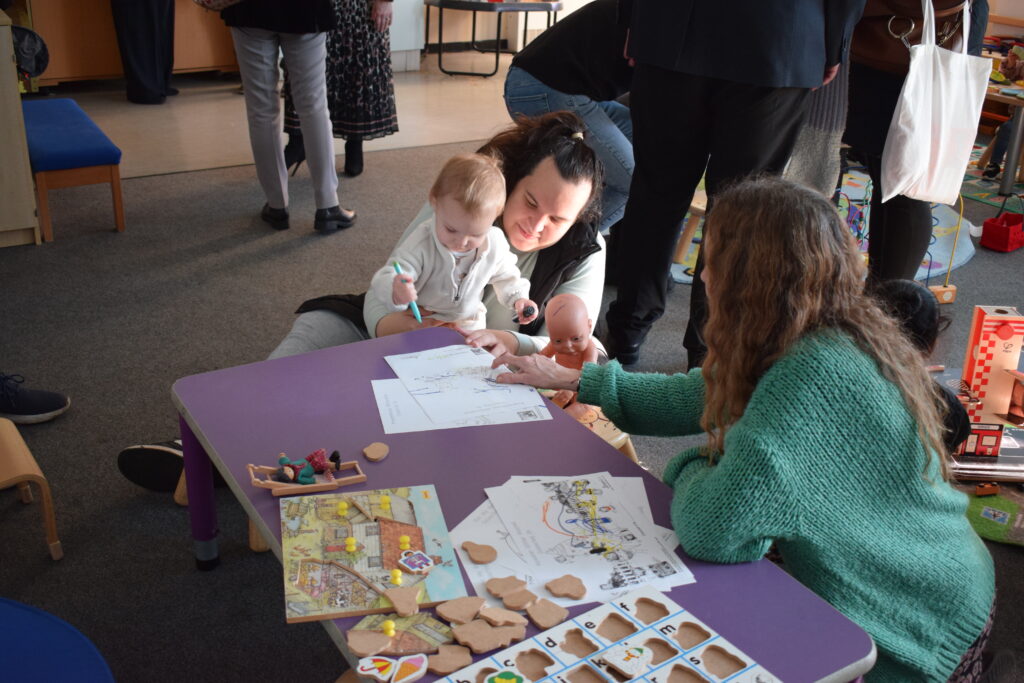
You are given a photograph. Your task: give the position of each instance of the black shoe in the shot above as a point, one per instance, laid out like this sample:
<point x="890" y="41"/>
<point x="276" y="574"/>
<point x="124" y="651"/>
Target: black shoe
<point x="294" y="152"/>
<point x="353" y="156"/>
<point x="156" y="466"/>
<point x="332" y="219"/>
<point x="278" y="218"/>
<point x="991" y="171"/>
<point x="171" y="92"/>
<point x="29" y="406"/>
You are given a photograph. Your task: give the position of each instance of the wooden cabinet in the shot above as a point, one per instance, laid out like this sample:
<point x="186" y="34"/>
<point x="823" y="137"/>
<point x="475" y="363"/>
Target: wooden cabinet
<point x="18" y="224"/>
<point x="83" y="45"/>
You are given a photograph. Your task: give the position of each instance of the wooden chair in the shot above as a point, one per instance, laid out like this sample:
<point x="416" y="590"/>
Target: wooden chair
<point x="67" y="149"/>
<point x="698" y="207"/>
<point x="17" y="466"/>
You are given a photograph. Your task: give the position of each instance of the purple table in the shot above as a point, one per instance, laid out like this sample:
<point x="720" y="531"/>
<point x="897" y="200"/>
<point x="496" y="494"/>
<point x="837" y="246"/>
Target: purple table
<point x="250" y="413"/>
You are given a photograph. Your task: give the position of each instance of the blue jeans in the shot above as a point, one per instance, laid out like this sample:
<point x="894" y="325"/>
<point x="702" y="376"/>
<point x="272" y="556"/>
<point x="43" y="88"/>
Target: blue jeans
<point x="610" y="133"/>
<point x="1002" y="142"/>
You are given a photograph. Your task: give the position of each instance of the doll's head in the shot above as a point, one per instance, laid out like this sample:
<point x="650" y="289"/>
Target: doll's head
<point x="568" y="324"/>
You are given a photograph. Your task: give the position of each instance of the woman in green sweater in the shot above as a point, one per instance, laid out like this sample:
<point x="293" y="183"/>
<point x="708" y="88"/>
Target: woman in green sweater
<point x="824" y="435"/>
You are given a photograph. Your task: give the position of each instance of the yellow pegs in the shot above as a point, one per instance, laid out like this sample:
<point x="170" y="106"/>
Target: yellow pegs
<point x="396" y="577"/>
<point x="388" y="626"/>
<point x="342" y="509"/>
<point x="350" y="544"/>
<point x="403" y="543"/>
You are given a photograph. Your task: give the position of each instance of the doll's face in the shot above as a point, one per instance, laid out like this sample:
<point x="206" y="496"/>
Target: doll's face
<point x="570" y="332"/>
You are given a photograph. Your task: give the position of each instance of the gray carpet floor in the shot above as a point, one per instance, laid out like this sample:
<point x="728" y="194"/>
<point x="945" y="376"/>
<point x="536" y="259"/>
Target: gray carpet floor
<point x="198" y="283"/>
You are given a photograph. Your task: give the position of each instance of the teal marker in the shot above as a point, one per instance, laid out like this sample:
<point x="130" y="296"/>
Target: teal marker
<point x="412" y="304"/>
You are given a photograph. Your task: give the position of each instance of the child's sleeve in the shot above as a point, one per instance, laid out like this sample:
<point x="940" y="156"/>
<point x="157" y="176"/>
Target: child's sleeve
<point x="509" y="284"/>
<point x="410" y="259"/>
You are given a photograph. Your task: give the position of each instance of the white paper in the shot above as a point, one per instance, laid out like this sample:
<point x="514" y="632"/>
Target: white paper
<point x="456" y="383"/>
<point x="401" y="413"/>
<point x="557" y="526"/>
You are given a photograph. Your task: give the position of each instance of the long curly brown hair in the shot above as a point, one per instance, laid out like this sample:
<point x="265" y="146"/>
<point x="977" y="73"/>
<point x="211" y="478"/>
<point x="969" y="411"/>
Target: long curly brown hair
<point x="781" y="265"/>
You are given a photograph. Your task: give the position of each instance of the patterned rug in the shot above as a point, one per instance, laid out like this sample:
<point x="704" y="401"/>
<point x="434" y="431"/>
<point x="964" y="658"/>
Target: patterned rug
<point x="854" y="207"/>
<point x="984" y="190"/>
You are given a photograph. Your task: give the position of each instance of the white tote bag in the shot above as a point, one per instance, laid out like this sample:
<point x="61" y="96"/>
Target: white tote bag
<point x="936" y="119"/>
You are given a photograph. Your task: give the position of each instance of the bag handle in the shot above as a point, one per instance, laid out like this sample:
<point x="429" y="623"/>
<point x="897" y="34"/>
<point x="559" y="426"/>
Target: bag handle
<point x="928" y="29"/>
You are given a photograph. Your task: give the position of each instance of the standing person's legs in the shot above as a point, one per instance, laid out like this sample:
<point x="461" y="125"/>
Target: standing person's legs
<point x="609" y="133"/>
<point x="753" y="131"/>
<point x="145" y="39"/>
<point x="256" y="50"/>
<point x="670" y="145"/>
<point x="899" y="231"/>
<point x="306" y="55"/>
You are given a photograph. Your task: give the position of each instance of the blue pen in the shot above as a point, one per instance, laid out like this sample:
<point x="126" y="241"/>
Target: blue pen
<point x="412" y="304"/>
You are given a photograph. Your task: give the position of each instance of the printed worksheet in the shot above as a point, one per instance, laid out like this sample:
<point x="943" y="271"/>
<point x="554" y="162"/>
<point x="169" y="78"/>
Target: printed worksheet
<point x="456" y="383"/>
<point x="400" y="412"/>
<point x="583" y="524"/>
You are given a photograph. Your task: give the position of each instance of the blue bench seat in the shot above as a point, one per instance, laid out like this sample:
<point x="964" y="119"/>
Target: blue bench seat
<point x="67" y="149"/>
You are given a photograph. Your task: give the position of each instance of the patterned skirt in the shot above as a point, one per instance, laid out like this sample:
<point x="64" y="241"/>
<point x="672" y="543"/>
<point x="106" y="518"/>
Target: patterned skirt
<point x="360" y="85"/>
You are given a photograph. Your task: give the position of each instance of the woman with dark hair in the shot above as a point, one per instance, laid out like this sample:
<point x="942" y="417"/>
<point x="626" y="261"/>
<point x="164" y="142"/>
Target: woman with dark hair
<point x="549" y="219"/>
<point x="824" y="435"/>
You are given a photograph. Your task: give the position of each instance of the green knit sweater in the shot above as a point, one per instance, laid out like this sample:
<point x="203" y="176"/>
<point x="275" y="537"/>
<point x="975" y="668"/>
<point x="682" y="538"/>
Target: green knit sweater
<point x="826" y="462"/>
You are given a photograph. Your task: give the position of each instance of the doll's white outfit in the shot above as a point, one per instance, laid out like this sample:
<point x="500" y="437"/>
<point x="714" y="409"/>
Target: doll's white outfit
<point x="444" y="284"/>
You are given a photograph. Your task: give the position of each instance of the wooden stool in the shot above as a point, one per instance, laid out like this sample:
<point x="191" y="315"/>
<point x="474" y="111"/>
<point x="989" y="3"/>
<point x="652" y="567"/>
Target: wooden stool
<point x="17" y="466"/>
<point x="67" y="149"/>
<point x="698" y="207"/>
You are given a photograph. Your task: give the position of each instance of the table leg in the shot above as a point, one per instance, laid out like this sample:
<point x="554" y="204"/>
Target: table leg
<point x="202" y="510"/>
<point x="1013" y="153"/>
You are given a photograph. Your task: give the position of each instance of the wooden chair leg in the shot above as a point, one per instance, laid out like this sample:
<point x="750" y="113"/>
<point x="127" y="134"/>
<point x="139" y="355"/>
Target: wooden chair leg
<point x="115" y="190"/>
<point x="256" y="542"/>
<point x="181" y="491"/>
<point x="25" y="491"/>
<point x="683" y="245"/>
<point x="43" y="205"/>
<point x="50" y="521"/>
<point x="626" y="448"/>
<point x="986" y="155"/>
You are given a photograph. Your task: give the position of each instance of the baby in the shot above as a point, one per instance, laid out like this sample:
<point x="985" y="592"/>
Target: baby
<point x="569" y="326"/>
<point x="445" y="263"/>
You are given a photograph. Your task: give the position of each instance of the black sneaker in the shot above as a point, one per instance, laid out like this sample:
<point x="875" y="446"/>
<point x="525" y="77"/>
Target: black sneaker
<point x="156" y="466"/>
<point x="626" y="354"/>
<point x="991" y="171"/>
<point x="278" y="218"/>
<point x="29" y="406"/>
<point x="333" y="219"/>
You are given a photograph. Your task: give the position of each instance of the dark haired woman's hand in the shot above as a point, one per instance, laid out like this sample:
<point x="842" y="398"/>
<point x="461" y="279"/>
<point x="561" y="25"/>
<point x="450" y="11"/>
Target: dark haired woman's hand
<point x="537" y="371"/>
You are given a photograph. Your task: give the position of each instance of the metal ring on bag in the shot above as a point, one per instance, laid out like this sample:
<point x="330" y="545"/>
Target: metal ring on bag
<point x="901" y="36"/>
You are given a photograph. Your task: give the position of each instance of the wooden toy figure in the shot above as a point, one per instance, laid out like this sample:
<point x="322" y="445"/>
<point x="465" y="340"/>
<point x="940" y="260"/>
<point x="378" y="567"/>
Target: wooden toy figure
<point x="295" y="472"/>
<point x="569" y="328"/>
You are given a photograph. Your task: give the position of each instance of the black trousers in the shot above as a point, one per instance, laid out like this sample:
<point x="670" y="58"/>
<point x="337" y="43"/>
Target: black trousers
<point x="145" y="38"/>
<point x="682" y="126"/>
<point x="900" y="230"/>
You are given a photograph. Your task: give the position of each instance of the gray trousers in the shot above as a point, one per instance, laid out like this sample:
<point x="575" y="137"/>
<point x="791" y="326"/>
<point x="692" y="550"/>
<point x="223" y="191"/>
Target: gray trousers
<point x="305" y="54"/>
<point x="317" y="330"/>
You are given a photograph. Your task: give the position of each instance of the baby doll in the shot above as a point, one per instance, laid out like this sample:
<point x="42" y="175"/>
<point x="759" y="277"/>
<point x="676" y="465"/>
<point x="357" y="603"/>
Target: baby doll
<point x="569" y="328"/>
<point x="445" y="263"/>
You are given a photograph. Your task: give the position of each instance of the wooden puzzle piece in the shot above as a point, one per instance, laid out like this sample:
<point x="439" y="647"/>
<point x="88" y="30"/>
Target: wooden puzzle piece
<point x="449" y="658"/>
<point x="499" y="587"/>
<point x="480" y="637"/>
<point x="410" y="669"/>
<point x="628" y="661"/>
<point x="479" y="553"/>
<point x="367" y="643"/>
<point x="419" y="633"/>
<point x="546" y="614"/>
<point x="376" y="451"/>
<point x="567" y="586"/>
<point x="460" y="610"/>
<point x="404" y="600"/>
<point x="378" y="668"/>
<point x="496" y="616"/>
<point x="520" y="599"/>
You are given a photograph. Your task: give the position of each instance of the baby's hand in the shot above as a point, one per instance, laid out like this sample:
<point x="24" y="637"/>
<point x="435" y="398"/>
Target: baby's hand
<point x="402" y="290"/>
<point x="526" y="311"/>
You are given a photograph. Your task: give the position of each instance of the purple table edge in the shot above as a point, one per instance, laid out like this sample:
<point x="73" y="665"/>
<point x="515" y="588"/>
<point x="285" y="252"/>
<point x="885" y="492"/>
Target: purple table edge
<point x="250" y="413"/>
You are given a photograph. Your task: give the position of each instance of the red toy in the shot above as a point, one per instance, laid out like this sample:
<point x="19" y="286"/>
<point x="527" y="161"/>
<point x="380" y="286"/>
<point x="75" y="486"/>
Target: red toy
<point x="1004" y="232"/>
<point x="986" y="489"/>
<point x="984" y="440"/>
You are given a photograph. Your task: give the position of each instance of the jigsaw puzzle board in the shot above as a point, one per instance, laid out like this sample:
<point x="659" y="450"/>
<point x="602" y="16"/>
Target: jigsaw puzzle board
<point x="325" y="579"/>
<point x="684" y="649"/>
